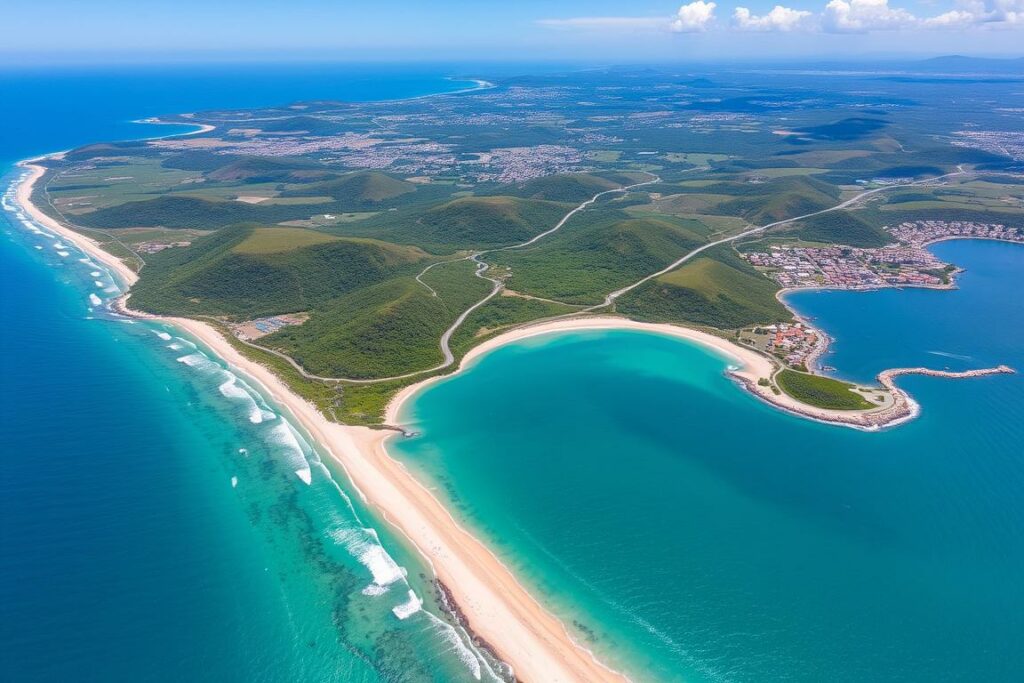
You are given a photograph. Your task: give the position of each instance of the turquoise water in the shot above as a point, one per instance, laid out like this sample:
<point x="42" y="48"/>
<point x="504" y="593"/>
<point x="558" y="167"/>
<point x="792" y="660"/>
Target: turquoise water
<point x="690" y="532"/>
<point x="159" y="520"/>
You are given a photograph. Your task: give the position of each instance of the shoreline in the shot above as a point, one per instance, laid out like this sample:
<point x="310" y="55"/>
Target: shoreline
<point x="499" y="610"/>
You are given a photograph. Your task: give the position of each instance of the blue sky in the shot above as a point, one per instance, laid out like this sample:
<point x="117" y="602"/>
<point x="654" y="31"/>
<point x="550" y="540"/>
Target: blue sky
<point x="523" y="30"/>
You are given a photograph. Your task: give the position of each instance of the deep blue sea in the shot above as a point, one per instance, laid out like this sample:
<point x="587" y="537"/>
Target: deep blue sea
<point x="155" y="517"/>
<point x="156" y="522"/>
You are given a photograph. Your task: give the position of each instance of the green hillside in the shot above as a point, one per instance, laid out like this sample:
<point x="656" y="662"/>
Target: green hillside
<point x="466" y="223"/>
<point x="389" y="328"/>
<point x="356" y="190"/>
<point x="573" y="188"/>
<point x="717" y="289"/>
<point x="839" y="227"/>
<point x="247" y="271"/>
<point x="269" y="170"/>
<point x="778" y="199"/>
<point x="190" y="212"/>
<point x="587" y="262"/>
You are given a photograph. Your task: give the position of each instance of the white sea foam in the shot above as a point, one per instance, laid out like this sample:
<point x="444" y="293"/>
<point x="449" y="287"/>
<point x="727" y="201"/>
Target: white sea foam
<point x="457" y="645"/>
<point x="234" y="482"/>
<point x="198" y="361"/>
<point x="364" y="545"/>
<point x="282" y="434"/>
<point x="409" y="607"/>
<point x="38" y="247"/>
<point x="95" y="300"/>
<point x="244" y="452"/>
<point x="163" y="335"/>
<point x="231" y="388"/>
<point x="63" y="254"/>
<point x="175" y="346"/>
<point x="946" y="354"/>
<point x="384" y="569"/>
<point x="95" y="273"/>
<point x="98" y="283"/>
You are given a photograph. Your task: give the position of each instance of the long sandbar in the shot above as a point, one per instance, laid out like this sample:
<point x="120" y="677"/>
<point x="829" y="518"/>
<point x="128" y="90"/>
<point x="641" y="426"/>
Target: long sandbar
<point x="497" y="607"/>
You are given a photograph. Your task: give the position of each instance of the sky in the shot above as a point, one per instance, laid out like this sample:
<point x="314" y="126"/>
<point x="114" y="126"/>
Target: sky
<point x="520" y="30"/>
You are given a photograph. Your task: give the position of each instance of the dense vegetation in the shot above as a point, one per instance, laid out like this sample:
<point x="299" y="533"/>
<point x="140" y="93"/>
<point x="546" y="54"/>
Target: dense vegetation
<point x="572" y="188"/>
<point x="717" y="289"/>
<point x="466" y="223"/>
<point x="589" y="260"/>
<point x="356" y="190"/>
<point x="421" y="182"/>
<point x="191" y="212"/>
<point x="820" y="391"/>
<point x="839" y="227"/>
<point x="248" y="271"/>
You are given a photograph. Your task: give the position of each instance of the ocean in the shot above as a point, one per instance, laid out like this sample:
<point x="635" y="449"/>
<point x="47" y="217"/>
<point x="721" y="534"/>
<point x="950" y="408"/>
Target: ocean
<point x="159" y="520"/>
<point x="690" y="532"/>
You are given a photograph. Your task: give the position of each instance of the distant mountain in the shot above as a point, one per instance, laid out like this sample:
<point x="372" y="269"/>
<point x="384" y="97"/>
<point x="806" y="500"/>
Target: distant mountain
<point x="961" y="63"/>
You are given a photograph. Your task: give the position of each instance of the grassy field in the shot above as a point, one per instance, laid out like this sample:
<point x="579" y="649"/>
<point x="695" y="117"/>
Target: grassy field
<point x="823" y="392"/>
<point x="280" y="240"/>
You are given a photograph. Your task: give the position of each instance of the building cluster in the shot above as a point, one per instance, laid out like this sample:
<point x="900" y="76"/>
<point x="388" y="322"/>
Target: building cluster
<point x="849" y="268"/>
<point x="796" y="343"/>
<point x="920" y="233"/>
<point x="907" y="263"/>
<point x="1001" y="142"/>
<point x="516" y="164"/>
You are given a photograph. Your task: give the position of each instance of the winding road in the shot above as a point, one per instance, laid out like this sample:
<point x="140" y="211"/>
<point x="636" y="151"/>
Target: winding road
<point x="497" y="285"/>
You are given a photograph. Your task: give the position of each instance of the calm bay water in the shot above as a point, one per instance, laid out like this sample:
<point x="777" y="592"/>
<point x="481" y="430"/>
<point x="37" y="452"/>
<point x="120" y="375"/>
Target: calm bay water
<point x="158" y="519"/>
<point x="694" y="533"/>
<point x="155" y="521"/>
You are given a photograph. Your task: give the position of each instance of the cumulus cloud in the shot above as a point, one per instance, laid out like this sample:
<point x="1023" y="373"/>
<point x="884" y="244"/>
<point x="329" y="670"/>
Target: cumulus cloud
<point x="694" y="17"/>
<point x="862" y="16"/>
<point x="838" y="16"/>
<point x="952" y="19"/>
<point x="779" y="19"/>
<point x="995" y="11"/>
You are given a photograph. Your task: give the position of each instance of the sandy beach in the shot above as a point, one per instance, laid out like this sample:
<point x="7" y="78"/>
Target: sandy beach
<point x="498" y="609"/>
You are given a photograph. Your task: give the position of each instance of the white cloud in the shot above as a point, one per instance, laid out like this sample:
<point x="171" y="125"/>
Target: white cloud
<point x="838" y="16"/>
<point x="862" y="16"/>
<point x="779" y="19"/>
<point x="952" y="19"/>
<point x="694" y="17"/>
<point x="996" y="11"/>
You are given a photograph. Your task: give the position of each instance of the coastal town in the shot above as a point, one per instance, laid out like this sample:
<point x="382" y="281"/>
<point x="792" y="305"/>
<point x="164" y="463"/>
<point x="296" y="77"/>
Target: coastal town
<point x="796" y="343"/>
<point x="905" y="264"/>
